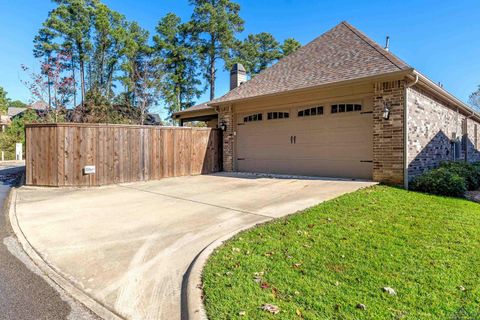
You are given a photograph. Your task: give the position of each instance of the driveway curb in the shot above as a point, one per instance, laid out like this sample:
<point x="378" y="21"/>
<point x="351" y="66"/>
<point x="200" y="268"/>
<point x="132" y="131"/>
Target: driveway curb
<point x="194" y="289"/>
<point x="70" y="288"/>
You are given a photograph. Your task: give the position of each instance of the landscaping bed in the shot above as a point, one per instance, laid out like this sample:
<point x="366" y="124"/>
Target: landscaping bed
<point x="379" y="253"/>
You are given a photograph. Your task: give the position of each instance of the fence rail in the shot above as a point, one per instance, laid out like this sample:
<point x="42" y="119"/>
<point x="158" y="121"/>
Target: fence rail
<point x="57" y="154"/>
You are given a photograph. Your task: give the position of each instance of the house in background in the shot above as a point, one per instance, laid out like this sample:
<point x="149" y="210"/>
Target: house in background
<point x="13" y="112"/>
<point x="341" y="106"/>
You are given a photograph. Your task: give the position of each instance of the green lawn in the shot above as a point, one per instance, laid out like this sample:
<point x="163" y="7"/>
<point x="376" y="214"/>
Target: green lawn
<point x="323" y="262"/>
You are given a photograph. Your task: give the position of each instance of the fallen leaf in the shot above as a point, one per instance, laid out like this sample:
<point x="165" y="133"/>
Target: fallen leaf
<point x="270" y="308"/>
<point x="242" y="313"/>
<point x="264" y="285"/>
<point x="299" y="313"/>
<point x="361" y="306"/>
<point x="389" y="290"/>
<point x="297" y="265"/>
<point x="274" y="292"/>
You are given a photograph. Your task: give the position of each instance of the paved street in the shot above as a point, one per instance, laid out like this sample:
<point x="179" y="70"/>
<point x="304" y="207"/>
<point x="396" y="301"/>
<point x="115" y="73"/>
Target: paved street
<point x="24" y="293"/>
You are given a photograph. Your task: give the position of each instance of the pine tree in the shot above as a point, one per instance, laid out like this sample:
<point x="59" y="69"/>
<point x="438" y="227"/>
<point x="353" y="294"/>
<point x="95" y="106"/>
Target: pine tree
<point x="180" y="82"/>
<point x="257" y="52"/>
<point x="72" y="21"/>
<point x="135" y="50"/>
<point x="4" y="101"/>
<point x="289" y="46"/>
<point x="215" y="23"/>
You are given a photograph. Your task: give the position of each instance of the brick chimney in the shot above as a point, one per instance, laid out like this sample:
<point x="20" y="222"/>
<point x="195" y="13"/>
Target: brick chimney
<point x="238" y="75"/>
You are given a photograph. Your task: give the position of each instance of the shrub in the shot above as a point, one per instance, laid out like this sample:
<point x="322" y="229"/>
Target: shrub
<point x="442" y="182"/>
<point x="469" y="172"/>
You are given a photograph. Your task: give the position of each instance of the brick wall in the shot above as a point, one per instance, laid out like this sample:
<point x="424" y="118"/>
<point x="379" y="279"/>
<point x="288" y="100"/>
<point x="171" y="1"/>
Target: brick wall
<point x="388" y="146"/>
<point x="225" y="115"/>
<point x="432" y="127"/>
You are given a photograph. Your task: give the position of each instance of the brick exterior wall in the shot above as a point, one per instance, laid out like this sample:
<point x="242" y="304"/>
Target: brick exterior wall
<point x="432" y="127"/>
<point x="388" y="138"/>
<point x="225" y="115"/>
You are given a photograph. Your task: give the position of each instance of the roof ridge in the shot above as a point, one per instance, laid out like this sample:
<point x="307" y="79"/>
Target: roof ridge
<point x="372" y="44"/>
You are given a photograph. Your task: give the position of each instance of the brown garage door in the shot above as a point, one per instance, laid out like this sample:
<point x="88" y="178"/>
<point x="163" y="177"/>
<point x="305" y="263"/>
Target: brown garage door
<point x="329" y="141"/>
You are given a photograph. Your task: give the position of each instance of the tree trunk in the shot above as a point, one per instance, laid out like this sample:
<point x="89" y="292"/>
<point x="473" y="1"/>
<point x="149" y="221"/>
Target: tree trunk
<point x="74" y="84"/>
<point x="48" y="61"/>
<point x="82" y="79"/>
<point x="212" y="67"/>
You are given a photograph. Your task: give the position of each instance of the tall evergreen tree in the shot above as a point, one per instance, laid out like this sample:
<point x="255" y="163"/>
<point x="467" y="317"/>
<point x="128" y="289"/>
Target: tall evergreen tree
<point x="289" y="46"/>
<point x="4" y="101"/>
<point x="256" y="52"/>
<point x="215" y="24"/>
<point x="180" y="82"/>
<point x="43" y="47"/>
<point x="136" y="49"/>
<point x="72" y="20"/>
<point x="109" y="32"/>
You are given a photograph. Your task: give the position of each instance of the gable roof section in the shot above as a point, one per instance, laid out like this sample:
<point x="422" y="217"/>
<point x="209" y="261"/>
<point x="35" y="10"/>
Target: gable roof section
<point x="343" y="53"/>
<point x="199" y="107"/>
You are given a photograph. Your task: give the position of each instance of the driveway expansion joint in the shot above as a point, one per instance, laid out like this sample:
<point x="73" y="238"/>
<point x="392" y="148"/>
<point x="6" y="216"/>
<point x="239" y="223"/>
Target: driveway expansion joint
<point x="199" y="202"/>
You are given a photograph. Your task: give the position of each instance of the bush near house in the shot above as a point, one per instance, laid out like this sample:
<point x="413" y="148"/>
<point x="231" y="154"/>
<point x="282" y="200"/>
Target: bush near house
<point x="450" y="179"/>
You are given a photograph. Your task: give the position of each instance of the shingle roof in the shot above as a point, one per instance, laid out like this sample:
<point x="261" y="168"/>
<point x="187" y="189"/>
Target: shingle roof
<point x="343" y="53"/>
<point x="13" y="111"/>
<point x="198" y="107"/>
<point x="39" y="105"/>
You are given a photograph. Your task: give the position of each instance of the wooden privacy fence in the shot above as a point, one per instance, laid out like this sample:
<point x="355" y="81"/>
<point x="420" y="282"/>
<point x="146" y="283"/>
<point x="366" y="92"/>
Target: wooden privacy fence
<point x="98" y="154"/>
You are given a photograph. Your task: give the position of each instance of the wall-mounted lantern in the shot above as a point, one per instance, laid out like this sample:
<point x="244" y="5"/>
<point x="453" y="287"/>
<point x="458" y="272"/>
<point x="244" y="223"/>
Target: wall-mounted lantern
<point x="223" y="126"/>
<point x="386" y="111"/>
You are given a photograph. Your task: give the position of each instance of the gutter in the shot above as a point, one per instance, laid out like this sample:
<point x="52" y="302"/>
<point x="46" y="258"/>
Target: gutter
<point x="447" y="95"/>
<point x="466" y="145"/>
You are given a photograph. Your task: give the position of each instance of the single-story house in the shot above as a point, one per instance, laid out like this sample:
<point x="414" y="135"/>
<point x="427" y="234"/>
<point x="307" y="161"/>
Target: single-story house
<point x="341" y="106"/>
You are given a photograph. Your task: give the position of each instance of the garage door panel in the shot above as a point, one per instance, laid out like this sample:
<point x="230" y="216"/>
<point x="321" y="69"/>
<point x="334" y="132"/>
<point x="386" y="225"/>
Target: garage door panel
<point x="272" y="165"/>
<point x="334" y="168"/>
<point x="331" y="145"/>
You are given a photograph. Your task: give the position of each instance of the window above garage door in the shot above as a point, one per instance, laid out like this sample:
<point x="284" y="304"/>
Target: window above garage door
<point x="345" y="107"/>
<point x="278" y="115"/>
<point x="311" y="111"/>
<point x="253" y="117"/>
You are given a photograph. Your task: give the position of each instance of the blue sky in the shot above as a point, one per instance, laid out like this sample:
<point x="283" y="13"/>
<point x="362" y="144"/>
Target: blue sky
<point x="441" y="39"/>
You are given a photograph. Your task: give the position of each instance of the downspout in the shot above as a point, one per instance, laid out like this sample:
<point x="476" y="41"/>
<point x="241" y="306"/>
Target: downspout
<point x="405" y="132"/>
<point x="466" y="133"/>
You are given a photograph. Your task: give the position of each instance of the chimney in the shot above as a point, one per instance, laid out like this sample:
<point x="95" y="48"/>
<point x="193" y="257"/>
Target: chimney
<point x="238" y="75"/>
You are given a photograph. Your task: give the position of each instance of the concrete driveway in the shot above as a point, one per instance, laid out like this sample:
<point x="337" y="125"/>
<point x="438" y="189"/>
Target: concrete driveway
<point x="129" y="246"/>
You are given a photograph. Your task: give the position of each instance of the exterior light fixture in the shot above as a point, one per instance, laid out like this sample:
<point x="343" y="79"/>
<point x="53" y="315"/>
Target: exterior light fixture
<point x="223" y="126"/>
<point x="386" y="111"/>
